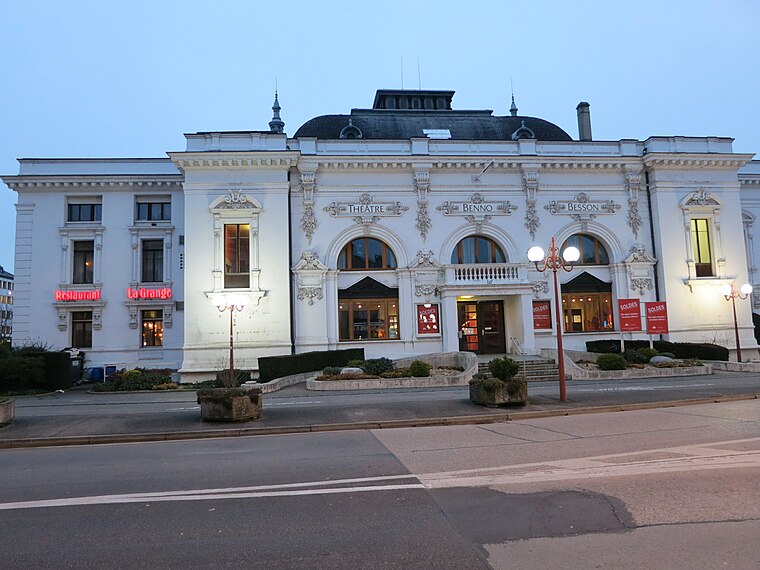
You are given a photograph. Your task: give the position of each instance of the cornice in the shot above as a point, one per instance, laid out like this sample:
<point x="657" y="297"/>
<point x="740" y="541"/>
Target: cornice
<point x="465" y="163"/>
<point x="227" y="160"/>
<point x="689" y="161"/>
<point x="749" y="181"/>
<point x="89" y="181"/>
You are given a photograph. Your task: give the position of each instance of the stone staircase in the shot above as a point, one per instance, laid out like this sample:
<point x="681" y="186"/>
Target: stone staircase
<point x="536" y="369"/>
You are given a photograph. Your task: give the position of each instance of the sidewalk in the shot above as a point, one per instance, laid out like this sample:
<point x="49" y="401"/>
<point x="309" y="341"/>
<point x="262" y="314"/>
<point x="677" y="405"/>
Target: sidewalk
<point x="77" y="417"/>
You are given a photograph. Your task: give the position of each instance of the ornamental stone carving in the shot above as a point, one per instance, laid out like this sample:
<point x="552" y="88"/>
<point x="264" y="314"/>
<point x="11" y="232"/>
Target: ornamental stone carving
<point x="540" y="288"/>
<point x="309" y="222"/>
<point x="310" y="277"/>
<point x="425" y="258"/>
<point x="642" y="284"/>
<point x="235" y="200"/>
<point x="530" y="183"/>
<point x="632" y="183"/>
<point x="423" y="223"/>
<point x="425" y="289"/>
<point x="640" y="268"/>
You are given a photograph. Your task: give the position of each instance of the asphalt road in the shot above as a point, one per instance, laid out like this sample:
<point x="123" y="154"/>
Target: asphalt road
<point x="665" y="488"/>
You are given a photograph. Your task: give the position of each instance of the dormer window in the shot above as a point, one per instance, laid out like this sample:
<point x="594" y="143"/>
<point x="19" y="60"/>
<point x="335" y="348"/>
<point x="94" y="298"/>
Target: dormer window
<point x="350" y="131"/>
<point x="523" y="133"/>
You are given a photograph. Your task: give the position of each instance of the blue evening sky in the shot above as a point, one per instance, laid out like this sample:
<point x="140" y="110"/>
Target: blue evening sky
<point x="127" y="79"/>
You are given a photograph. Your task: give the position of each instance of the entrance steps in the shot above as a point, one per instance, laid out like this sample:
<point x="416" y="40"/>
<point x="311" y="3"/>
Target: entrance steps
<point x="536" y="369"/>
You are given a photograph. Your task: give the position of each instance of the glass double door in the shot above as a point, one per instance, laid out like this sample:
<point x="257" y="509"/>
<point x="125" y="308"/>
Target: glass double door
<point x="481" y="327"/>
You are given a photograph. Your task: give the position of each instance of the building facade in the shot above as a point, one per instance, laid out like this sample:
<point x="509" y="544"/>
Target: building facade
<point x="6" y="305"/>
<point x="402" y="229"/>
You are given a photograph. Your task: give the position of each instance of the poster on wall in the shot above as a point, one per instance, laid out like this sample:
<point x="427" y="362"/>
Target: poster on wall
<point x="542" y="315"/>
<point x="427" y="319"/>
<point x="657" y="317"/>
<point x="630" y="315"/>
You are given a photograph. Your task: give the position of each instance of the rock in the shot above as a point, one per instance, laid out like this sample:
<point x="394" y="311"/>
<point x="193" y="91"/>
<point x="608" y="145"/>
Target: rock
<point x="352" y="370"/>
<point x="658" y="359"/>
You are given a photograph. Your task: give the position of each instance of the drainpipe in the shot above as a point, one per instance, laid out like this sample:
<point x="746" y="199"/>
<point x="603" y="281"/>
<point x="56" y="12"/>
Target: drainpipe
<point x="651" y="237"/>
<point x="290" y="273"/>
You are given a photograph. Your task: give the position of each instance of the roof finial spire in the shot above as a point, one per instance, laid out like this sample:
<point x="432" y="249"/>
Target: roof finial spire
<point x="513" y="108"/>
<point x="276" y="125"/>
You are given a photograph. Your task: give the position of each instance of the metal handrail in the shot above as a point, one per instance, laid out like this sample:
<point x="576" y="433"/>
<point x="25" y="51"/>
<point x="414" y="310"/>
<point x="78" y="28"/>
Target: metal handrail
<point x="521" y="350"/>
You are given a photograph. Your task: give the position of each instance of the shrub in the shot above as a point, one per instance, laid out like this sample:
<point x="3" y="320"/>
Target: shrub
<point x="646" y="353"/>
<point x="702" y="350"/>
<point x="136" y="379"/>
<point x="355" y="363"/>
<point x="223" y="378"/>
<point x="21" y="373"/>
<point x="611" y="362"/>
<point x="397" y="373"/>
<point x="632" y="356"/>
<point x="271" y="367"/>
<point x="479" y="376"/>
<point x="166" y="386"/>
<point x="693" y="362"/>
<point x="503" y="368"/>
<point x="420" y="369"/>
<point x="377" y="366"/>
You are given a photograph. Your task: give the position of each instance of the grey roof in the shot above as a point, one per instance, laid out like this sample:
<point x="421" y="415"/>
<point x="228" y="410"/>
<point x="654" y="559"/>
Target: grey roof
<point x="405" y="124"/>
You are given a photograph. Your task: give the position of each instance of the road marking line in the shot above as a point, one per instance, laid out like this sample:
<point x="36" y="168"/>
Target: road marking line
<point x="138" y="498"/>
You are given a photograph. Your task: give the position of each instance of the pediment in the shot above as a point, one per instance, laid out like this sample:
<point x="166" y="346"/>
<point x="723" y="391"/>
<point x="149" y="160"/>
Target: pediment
<point x="586" y="283"/>
<point x="368" y="288"/>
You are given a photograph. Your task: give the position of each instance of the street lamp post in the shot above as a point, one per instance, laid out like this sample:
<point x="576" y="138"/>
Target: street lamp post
<point x="231" y="304"/>
<point x="553" y="261"/>
<point x="731" y="294"/>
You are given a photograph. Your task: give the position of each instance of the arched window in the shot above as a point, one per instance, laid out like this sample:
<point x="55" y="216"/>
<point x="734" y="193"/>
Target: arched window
<point x="366" y="254"/>
<point x="592" y="250"/>
<point x="477" y="249"/>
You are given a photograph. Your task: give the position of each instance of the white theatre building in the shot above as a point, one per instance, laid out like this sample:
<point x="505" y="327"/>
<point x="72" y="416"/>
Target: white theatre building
<point x="402" y="229"/>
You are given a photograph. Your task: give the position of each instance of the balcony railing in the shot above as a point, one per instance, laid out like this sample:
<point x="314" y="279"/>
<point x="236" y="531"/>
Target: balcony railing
<point x="483" y="273"/>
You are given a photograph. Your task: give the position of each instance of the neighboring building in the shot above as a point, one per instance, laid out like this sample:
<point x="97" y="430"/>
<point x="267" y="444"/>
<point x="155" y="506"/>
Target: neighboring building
<point x="6" y="305"/>
<point x="402" y="229"/>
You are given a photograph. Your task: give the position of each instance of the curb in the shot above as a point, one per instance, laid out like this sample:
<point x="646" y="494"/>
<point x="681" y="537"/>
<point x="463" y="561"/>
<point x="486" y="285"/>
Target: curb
<point x="380" y="424"/>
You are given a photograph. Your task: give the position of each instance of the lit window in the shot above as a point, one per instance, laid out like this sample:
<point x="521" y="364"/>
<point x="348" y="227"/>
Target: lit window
<point x="700" y="246"/>
<point x="366" y="254"/>
<point x="368" y="319"/>
<point x="477" y="249"/>
<point x="237" y="273"/>
<point x="584" y="312"/>
<point x="84" y="253"/>
<point x="153" y="328"/>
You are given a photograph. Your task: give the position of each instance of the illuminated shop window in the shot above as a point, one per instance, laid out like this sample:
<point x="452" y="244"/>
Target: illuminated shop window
<point x="368" y="319"/>
<point x="586" y="312"/>
<point x="477" y="249"/>
<point x="366" y="254"/>
<point x="153" y="328"/>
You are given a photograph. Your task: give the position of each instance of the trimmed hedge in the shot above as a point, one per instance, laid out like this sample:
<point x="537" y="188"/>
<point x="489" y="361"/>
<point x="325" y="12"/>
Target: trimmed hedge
<point x="701" y="350"/>
<point x="27" y="370"/>
<point x="271" y="367"/>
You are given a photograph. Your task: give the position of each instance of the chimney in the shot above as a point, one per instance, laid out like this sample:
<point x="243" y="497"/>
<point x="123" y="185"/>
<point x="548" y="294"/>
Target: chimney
<point x="584" y="121"/>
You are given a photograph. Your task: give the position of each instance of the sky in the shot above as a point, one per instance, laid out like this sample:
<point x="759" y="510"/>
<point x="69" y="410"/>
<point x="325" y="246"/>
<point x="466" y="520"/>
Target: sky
<point x="128" y="79"/>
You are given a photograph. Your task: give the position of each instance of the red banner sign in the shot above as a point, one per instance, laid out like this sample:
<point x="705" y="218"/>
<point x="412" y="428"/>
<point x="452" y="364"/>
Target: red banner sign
<point x="427" y="319"/>
<point x="144" y="293"/>
<point x="542" y="315"/>
<point x="93" y="295"/>
<point x="630" y="314"/>
<point x="657" y="317"/>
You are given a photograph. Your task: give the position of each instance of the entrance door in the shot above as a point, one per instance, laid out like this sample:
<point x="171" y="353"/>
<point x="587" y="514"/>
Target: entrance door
<point x="481" y="327"/>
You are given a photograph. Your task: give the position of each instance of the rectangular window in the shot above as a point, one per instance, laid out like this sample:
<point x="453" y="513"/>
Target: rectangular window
<point x="152" y="260"/>
<point x="153" y="328"/>
<point x="368" y="319"/>
<point x="85" y="212"/>
<point x="700" y="245"/>
<point x="237" y="273"/>
<point x="84" y="253"/>
<point x="81" y="329"/>
<point x="587" y="312"/>
<point x="153" y="211"/>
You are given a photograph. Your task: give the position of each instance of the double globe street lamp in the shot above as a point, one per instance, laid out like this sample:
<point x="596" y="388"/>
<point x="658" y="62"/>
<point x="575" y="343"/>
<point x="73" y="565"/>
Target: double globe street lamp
<point x="230" y="303"/>
<point x="553" y="261"/>
<point x="731" y="294"/>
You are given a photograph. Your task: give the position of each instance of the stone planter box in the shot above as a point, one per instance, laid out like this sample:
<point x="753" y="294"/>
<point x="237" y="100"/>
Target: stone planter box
<point x="230" y="404"/>
<point x="7" y="411"/>
<point x="499" y="396"/>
